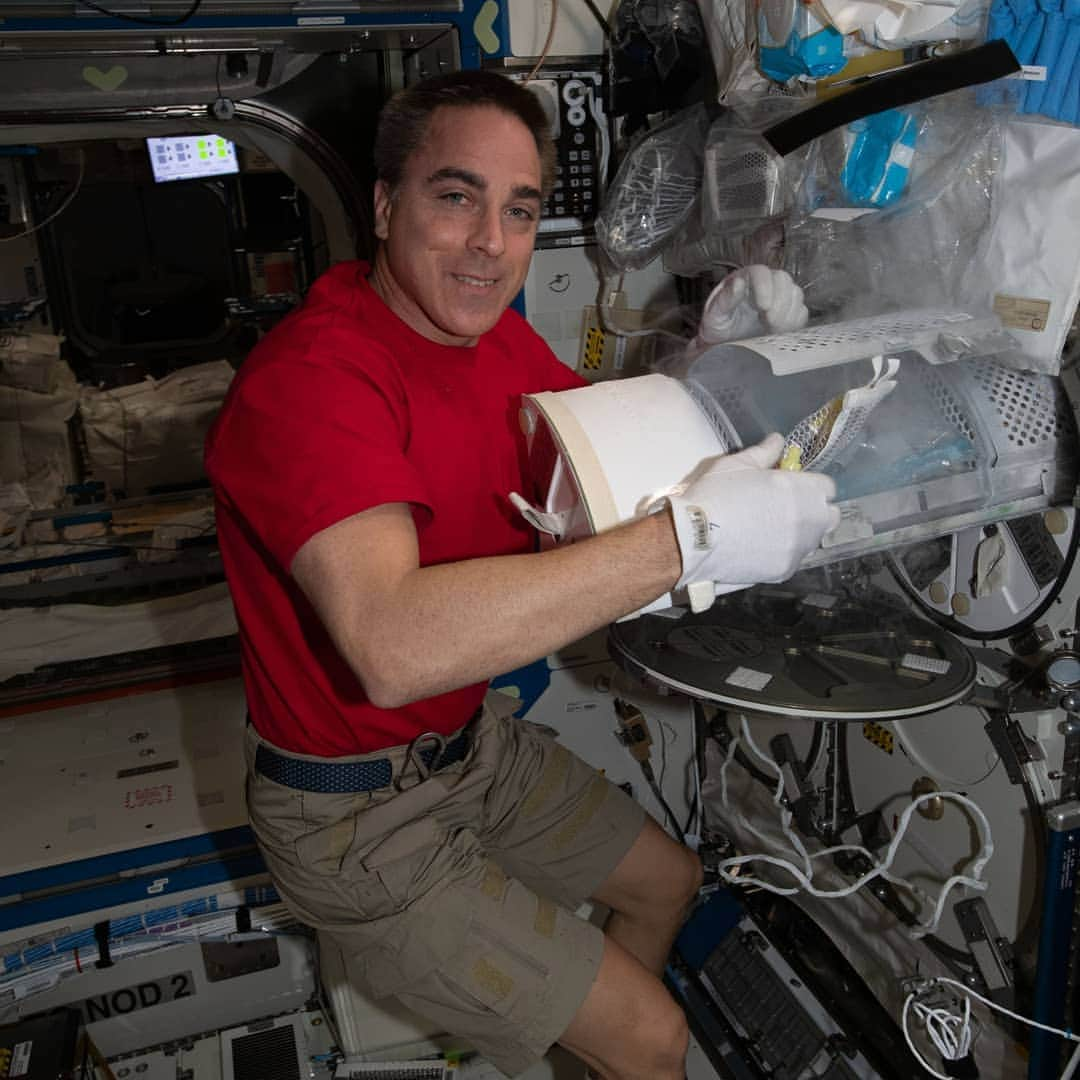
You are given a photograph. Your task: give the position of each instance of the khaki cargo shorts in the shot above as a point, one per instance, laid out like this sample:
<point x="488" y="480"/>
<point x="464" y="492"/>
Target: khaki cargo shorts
<point x="457" y="893"/>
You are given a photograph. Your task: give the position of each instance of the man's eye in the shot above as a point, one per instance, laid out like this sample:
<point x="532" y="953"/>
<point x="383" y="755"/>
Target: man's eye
<point x="521" y="212"/>
<point x="455" y="198"/>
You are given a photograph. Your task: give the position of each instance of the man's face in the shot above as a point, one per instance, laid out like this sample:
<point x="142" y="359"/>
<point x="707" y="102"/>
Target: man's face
<point x="457" y="234"/>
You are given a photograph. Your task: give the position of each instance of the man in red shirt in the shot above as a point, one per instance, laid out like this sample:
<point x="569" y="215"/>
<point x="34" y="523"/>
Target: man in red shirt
<point x="361" y="466"/>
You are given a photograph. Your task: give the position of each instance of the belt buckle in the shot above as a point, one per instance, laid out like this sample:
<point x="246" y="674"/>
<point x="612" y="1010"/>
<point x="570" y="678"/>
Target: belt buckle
<point x="414" y="756"/>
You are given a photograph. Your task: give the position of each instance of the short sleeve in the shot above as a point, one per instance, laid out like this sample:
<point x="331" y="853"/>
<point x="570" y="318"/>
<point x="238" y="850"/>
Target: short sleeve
<point x="302" y="446"/>
<point x="546" y="370"/>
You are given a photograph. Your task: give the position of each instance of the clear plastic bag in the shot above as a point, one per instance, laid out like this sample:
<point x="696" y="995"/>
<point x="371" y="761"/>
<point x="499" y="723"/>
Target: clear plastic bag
<point x="654" y="190"/>
<point x="912" y="252"/>
<point x="746" y="187"/>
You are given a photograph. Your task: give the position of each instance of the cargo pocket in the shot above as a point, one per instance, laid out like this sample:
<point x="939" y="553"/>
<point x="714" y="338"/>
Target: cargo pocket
<point x="405" y="863"/>
<point x="505" y="979"/>
<point x="321" y="851"/>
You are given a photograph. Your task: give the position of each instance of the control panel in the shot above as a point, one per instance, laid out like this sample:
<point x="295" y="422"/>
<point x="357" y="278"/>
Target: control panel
<point x="574" y="106"/>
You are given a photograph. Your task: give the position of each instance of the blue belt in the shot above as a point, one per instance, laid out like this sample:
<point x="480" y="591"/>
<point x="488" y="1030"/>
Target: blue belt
<point x="427" y="753"/>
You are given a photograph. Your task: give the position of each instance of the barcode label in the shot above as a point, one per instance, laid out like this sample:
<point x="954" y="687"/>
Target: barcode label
<point x="929" y="664"/>
<point x="699" y="522"/>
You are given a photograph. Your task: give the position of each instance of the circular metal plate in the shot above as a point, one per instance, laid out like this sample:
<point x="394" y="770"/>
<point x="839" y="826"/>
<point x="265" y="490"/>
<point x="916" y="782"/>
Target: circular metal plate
<point x="1037" y="556"/>
<point x="778" y="650"/>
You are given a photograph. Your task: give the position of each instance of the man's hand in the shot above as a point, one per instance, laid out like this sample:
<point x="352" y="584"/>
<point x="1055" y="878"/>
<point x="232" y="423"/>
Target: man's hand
<point x="753" y="300"/>
<point x="741" y="522"/>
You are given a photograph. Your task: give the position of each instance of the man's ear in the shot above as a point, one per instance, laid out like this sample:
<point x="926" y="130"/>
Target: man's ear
<point x="383" y="204"/>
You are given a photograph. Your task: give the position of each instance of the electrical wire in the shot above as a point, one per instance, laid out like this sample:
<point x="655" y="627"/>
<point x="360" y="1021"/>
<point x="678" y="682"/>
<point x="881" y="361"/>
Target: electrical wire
<point x="547" y="43"/>
<point x="697" y="718"/>
<point x="646" y="769"/>
<point x="140" y="20"/>
<point x="652" y="329"/>
<point x="597" y="14"/>
<point x="1070" y="1068"/>
<point x="958" y="961"/>
<point x="940" y="1027"/>
<point x="952" y="1041"/>
<point x="729" y="869"/>
<point x="56" y="213"/>
<point x="605" y="140"/>
<point x="665" y="730"/>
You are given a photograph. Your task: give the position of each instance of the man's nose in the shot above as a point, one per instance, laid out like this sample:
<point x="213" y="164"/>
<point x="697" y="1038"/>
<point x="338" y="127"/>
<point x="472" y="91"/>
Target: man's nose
<point x="487" y="234"/>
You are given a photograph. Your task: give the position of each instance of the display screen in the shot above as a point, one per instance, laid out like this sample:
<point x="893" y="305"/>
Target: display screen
<point x="189" y="157"/>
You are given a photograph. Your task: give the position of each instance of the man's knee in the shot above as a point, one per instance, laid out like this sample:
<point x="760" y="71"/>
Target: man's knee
<point x="683" y="880"/>
<point x="672" y="1039"/>
<point x="663" y="1041"/>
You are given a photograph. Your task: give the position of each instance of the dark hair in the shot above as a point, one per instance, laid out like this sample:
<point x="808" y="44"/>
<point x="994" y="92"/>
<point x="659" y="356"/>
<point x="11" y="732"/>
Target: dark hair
<point x="404" y="119"/>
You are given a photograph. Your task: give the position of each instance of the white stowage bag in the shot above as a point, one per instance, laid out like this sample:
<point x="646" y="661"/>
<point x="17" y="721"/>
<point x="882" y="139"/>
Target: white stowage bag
<point x="35" y="441"/>
<point x="151" y="434"/>
<point x="30" y="361"/>
<point x="1028" y="265"/>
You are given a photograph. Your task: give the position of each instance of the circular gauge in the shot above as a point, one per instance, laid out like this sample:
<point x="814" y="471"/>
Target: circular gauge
<point x="1063" y="671"/>
<point x="780" y="650"/>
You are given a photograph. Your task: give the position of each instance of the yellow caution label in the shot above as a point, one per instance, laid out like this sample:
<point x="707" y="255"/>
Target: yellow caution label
<point x="592" y="358"/>
<point x="880" y="736"/>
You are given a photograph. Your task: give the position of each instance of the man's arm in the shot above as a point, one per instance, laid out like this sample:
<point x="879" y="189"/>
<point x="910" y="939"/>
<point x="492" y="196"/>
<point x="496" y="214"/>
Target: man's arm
<point x="410" y="632"/>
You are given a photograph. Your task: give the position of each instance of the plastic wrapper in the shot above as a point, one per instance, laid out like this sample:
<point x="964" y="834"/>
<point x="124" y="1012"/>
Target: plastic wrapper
<point x="654" y="190"/>
<point x="823" y="436"/>
<point x="895" y="430"/>
<point x="794" y="43"/>
<point x="746" y="191"/>
<point x="671" y="26"/>
<point x="855" y="255"/>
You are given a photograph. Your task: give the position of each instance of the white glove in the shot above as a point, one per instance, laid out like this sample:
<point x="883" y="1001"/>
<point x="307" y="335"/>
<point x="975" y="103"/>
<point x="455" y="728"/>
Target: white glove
<point x="751" y="301"/>
<point x="741" y="522"/>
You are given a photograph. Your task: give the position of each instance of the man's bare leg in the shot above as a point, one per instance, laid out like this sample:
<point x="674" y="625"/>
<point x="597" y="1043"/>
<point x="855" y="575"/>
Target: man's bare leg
<point x="649" y="893"/>
<point x="629" y="1025"/>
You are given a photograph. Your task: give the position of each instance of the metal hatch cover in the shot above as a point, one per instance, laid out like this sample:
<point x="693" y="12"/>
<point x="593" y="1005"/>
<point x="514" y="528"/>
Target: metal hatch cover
<point x="791" y="652"/>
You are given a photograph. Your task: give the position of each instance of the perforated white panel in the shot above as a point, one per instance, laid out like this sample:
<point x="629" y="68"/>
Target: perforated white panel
<point x="854" y="339"/>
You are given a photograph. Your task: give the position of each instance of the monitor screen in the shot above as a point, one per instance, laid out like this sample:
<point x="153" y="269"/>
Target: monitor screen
<point x="189" y="157"/>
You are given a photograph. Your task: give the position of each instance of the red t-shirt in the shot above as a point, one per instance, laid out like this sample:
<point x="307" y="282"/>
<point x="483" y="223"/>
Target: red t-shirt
<point x="341" y="408"/>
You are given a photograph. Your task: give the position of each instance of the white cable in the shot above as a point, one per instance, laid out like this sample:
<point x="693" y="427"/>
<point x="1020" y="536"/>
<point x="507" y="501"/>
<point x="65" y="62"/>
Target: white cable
<point x="804" y="876"/>
<point x="732" y="747"/>
<point x="1074" y="1061"/>
<point x="740" y="818"/>
<point x="1007" y="1012"/>
<point x="911" y="1045"/>
<point x="952" y="1044"/>
<point x="605" y="136"/>
<point x="652" y="329"/>
<point x="56" y="213"/>
<point x="950" y="1034"/>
